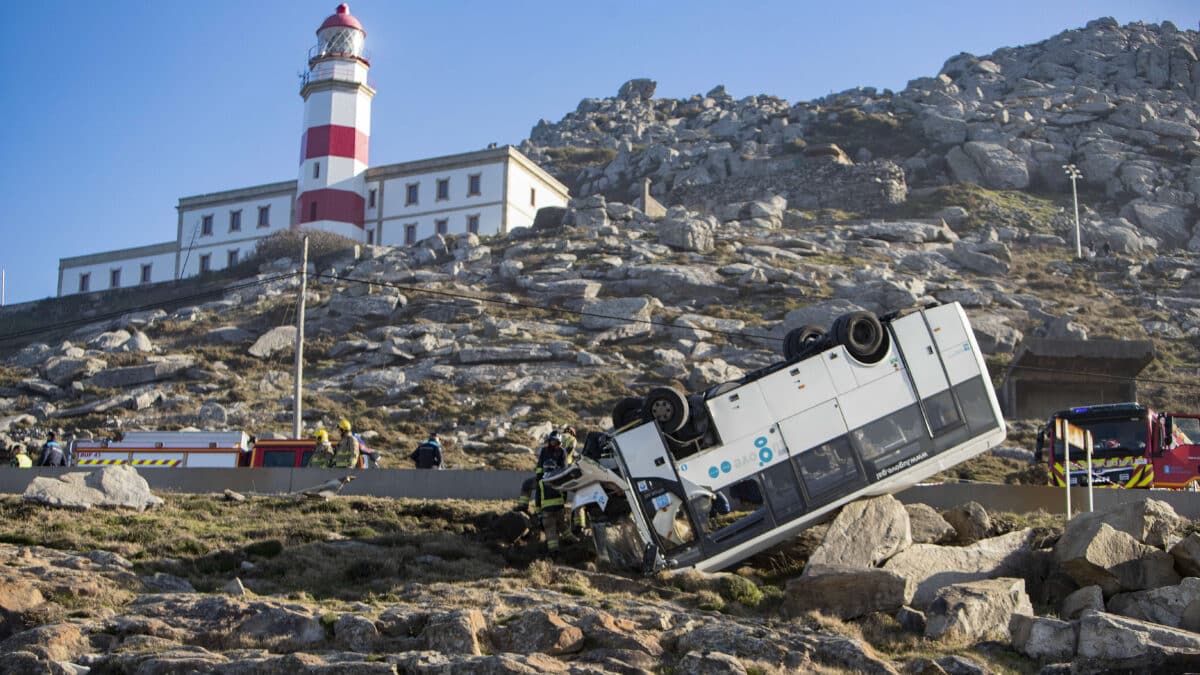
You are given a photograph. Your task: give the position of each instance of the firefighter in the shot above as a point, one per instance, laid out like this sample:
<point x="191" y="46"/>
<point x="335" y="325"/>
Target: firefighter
<point x="322" y="456"/>
<point x="346" y="454"/>
<point x="428" y="455"/>
<point x="528" y="495"/>
<point x="567" y="434"/>
<point x="549" y="504"/>
<point x="21" y="459"/>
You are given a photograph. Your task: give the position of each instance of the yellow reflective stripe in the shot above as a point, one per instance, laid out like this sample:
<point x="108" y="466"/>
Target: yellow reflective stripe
<point x="155" y="462"/>
<point x="98" y="462"/>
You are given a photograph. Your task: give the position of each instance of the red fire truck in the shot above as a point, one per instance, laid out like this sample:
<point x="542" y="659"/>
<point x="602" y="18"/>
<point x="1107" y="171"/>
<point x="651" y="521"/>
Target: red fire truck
<point x="1132" y="447"/>
<point x="195" y="449"/>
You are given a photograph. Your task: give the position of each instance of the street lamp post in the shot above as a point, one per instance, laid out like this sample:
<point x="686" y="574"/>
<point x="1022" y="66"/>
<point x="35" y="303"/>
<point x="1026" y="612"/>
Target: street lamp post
<point x="1074" y="174"/>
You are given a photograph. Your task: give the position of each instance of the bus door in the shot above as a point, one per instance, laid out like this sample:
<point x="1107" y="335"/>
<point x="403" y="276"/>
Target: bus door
<point x="1177" y="464"/>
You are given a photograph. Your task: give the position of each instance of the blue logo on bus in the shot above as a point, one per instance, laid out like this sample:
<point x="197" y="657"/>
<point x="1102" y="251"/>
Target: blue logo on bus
<point x="765" y="455"/>
<point x="726" y="467"/>
<point x="713" y="472"/>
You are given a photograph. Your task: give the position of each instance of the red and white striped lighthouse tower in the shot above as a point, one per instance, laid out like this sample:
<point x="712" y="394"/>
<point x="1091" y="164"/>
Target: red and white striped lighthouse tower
<point x="337" y="126"/>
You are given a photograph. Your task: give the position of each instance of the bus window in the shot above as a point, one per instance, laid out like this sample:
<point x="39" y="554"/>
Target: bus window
<point x="973" y="394"/>
<point x="890" y="441"/>
<point x="829" y="470"/>
<point x="783" y="492"/>
<point x="941" y="412"/>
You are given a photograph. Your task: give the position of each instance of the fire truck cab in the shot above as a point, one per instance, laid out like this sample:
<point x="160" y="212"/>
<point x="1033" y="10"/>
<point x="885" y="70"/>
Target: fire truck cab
<point x="1132" y="447"/>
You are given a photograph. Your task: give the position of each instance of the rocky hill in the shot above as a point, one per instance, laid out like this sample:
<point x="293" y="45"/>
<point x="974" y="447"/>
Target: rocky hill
<point x="773" y="215"/>
<point x="778" y="215"/>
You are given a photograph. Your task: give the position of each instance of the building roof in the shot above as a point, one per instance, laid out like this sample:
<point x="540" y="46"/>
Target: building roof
<point x="342" y="18"/>
<point x="118" y="255"/>
<point x="467" y="159"/>
<point x="1119" y="358"/>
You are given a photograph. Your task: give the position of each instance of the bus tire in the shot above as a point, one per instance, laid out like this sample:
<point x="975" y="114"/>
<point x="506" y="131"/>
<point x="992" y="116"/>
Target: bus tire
<point x="626" y="411"/>
<point x="801" y="341"/>
<point x="667" y="406"/>
<point x="862" y="335"/>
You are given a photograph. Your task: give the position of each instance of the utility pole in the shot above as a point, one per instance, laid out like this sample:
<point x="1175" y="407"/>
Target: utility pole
<point x="1074" y="174"/>
<point x="298" y="423"/>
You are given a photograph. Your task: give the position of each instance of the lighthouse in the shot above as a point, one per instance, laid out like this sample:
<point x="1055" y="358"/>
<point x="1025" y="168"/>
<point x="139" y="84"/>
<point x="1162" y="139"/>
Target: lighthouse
<point x="337" y="128"/>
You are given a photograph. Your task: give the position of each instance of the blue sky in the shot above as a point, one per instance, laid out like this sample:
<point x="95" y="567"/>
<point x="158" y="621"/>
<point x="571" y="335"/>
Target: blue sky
<point x="112" y="111"/>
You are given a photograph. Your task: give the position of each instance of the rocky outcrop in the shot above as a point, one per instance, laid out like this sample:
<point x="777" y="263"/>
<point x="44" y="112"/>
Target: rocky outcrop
<point x="977" y="609"/>
<point x="865" y="533"/>
<point x="110" y="486"/>
<point x="932" y="567"/>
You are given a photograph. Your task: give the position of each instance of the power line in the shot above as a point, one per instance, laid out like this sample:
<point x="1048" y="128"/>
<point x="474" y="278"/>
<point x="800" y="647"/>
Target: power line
<point x="547" y="308"/>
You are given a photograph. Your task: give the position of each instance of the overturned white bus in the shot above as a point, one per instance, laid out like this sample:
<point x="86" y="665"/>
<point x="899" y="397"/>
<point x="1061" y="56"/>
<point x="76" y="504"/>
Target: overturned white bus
<point x="707" y="480"/>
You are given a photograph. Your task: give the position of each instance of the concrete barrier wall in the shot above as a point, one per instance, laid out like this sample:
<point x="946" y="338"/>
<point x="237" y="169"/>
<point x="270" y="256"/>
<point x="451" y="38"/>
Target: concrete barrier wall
<point x="507" y="485"/>
<point x="1029" y="498"/>
<point x="378" y="482"/>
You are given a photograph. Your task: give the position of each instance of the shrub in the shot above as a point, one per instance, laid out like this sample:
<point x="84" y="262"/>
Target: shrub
<point x="740" y="589"/>
<point x="288" y="244"/>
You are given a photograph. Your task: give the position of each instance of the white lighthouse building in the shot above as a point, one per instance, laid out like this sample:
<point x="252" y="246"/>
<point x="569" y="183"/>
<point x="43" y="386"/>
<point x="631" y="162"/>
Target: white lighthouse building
<point x="337" y="129"/>
<point x="488" y="191"/>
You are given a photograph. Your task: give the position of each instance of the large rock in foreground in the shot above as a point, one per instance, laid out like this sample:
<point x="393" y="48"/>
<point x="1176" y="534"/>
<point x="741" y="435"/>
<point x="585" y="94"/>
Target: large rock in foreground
<point x="1108" y="642"/>
<point x="1113" y="560"/>
<point x="846" y="592"/>
<point x="865" y="533"/>
<point x="933" y="567"/>
<point x="977" y="610"/>
<point x="112" y="486"/>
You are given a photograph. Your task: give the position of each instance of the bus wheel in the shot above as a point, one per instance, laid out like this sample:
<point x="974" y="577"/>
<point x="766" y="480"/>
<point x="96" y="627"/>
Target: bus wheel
<point x="801" y="340"/>
<point x="668" y="407"/>
<point x="626" y="411"/>
<point x="862" y="335"/>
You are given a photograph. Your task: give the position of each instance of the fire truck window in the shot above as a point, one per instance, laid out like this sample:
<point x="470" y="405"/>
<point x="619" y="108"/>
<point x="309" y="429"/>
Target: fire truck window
<point x="279" y="458"/>
<point x="1187" y="431"/>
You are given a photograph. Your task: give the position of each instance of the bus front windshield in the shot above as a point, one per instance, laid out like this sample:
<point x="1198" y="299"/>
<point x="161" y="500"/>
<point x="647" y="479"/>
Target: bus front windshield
<point x="1118" y="437"/>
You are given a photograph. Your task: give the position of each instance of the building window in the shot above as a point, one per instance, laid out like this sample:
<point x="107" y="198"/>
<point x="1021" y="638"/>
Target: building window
<point x="533" y="196"/>
<point x="205" y="263"/>
<point x="235" y="221"/>
<point x="371" y="199"/>
<point x="85" y="281"/>
<point x="410" y="193"/>
<point x="114" y="278"/>
<point x="312" y="211"/>
<point x="264" y="216"/>
<point x="410" y="233"/>
<point x="473" y="182"/>
<point x="473" y="223"/>
<point x="206" y="225"/>
<point x="316" y="169"/>
<point x="443" y="188"/>
<point x="232" y="257"/>
<point x="443" y="225"/>
<point x="146" y="273"/>
<point x="370" y="237"/>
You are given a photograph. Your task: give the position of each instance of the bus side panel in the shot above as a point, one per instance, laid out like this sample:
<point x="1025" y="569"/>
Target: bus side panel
<point x="740" y="412"/>
<point x="797" y="388"/>
<point x="881" y="398"/>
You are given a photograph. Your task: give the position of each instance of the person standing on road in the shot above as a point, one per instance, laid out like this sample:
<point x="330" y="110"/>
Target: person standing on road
<point x="52" y="453"/>
<point x="346" y="454"/>
<point x="428" y="455"/>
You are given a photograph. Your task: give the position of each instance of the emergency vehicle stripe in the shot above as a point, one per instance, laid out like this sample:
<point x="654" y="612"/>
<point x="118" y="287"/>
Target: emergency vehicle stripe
<point x="136" y="462"/>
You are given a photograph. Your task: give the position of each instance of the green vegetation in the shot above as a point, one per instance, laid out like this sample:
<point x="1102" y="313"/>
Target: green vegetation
<point x="570" y="160"/>
<point x="884" y="135"/>
<point x="986" y="207"/>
